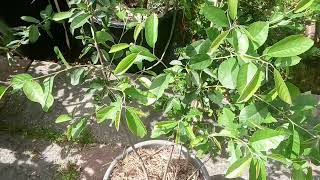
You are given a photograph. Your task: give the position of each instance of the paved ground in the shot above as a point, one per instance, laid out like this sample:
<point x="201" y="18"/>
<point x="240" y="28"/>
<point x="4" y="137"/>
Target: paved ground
<point x="25" y="158"/>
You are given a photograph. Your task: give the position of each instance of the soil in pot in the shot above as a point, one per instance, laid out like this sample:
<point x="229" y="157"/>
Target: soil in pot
<point x="155" y="160"/>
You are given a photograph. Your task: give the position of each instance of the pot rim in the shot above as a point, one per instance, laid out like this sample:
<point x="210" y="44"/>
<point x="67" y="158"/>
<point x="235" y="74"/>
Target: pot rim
<point x="149" y="143"/>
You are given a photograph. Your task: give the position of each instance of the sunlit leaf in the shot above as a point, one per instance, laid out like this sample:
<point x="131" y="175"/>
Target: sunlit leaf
<point x="61" y="15"/>
<point x="228" y="73"/>
<point x="281" y="87"/>
<point x="233" y="8"/>
<point x="151" y="30"/>
<point x="63" y="118"/>
<point x="215" y="15"/>
<point x="118" y="47"/>
<point x="303" y="5"/>
<point x="237" y="168"/>
<point x="30" y="19"/>
<point x="266" y="139"/>
<point x="125" y="64"/>
<point x="290" y="46"/>
<point x="134" y="123"/>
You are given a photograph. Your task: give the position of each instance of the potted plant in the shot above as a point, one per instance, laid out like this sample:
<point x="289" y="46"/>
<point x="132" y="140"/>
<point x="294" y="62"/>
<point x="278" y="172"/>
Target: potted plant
<point x="227" y="90"/>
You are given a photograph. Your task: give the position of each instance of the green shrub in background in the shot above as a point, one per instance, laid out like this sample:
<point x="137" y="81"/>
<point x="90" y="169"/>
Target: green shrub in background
<point x="228" y="89"/>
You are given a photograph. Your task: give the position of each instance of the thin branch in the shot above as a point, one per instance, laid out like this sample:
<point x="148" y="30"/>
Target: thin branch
<point x="167" y="167"/>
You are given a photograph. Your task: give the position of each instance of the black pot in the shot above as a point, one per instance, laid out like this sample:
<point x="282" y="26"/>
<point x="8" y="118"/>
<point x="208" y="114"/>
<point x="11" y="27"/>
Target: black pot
<point x="157" y="144"/>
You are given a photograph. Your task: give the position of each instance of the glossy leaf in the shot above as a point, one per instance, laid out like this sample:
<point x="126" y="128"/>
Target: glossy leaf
<point x="159" y="84"/>
<point x="3" y="90"/>
<point x="134" y="123"/>
<point x="266" y="139"/>
<point x="17" y="81"/>
<point x="303" y="5"/>
<point x="217" y="42"/>
<point x="61" y="57"/>
<point x="34" y="92"/>
<point x="144" y="53"/>
<point x="247" y="83"/>
<point x="257" y="170"/>
<point x="125" y="64"/>
<point x="226" y="120"/>
<point x="103" y="36"/>
<point x="228" y="73"/>
<point x="295" y="144"/>
<point x="237" y="168"/>
<point x="258" y="33"/>
<point x="163" y="127"/>
<point x="61" y="15"/>
<point x="137" y="31"/>
<point x="118" y="47"/>
<point x="78" y="128"/>
<point x="106" y="112"/>
<point x="79" y="21"/>
<point x="215" y="15"/>
<point x="253" y="114"/>
<point x="77" y="76"/>
<point x="34" y="33"/>
<point x="233" y="8"/>
<point x="63" y="118"/>
<point x="240" y="41"/>
<point x="151" y="30"/>
<point x="290" y="46"/>
<point x="30" y="19"/>
<point x="287" y="61"/>
<point x="47" y="91"/>
<point x="200" y="61"/>
<point x="281" y="87"/>
<point x="145" y="98"/>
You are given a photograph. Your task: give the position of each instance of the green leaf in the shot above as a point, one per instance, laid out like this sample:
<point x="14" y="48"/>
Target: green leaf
<point x="248" y="84"/>
<point x="3" y="90"/>
<point x="226" y="120"/>
<point x="217" y="42"/>
<point x="144" y="53"/>
<point x="106" y="112"/>
<point x="163" y="127"/>
<point x="200" y="61"/>
<point x="240" y="41"/>
<point x="61" y="15"/>
<point x="303" y="5"/>
<point x="63" y="118"/>
<point x="151" y="30"/>
<point x="253" y="114"/>
<point x="137" y="31"/>
<point x="294" y="145"/>
<point x="78" y="128"/>
<point x="215" y="15"/>
<point x="159" y="84"/>
<point x="290" y="46"/>
<point x="34" y="33"/>
<point x="79" y="21"/>
<point x="125" y="64"/>
<point x="257" y="170"/>
<point x="34" y="92"/>
<point x="17" y="81"/>
<point x="282" y="89"/>
<point x="30" y="19"/>
<point x="266" y="139"/>
<point x="118" y="47"/>
<point x="258" y="33"/>
<point x="102" y="37"/>
<point x="48" y="97"/>
<point x="61" y="57"/>
<point x="134" y="123"/>
<point x="237" y="168"/>
<point x="77" y="76"/>
<point x="145" y="98"/>
<point x="228" y="73"/>
<point x="233" y="8"/>
<point x="287" y="61"/>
